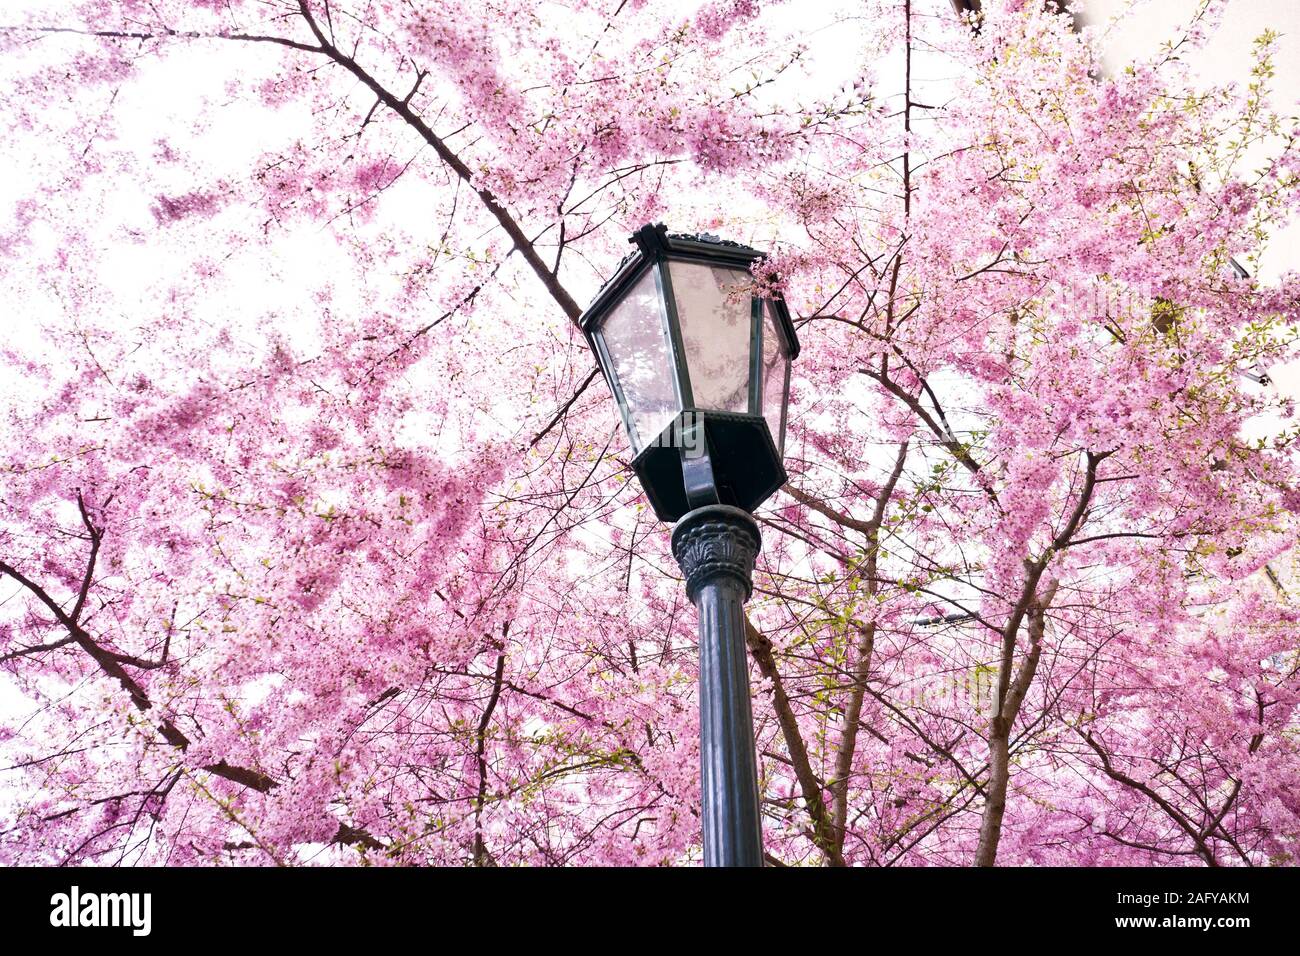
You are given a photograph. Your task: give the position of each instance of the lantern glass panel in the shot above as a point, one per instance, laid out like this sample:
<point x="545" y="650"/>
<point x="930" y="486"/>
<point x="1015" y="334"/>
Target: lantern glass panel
<point x="635" y="338"/>
<point x="714" y="314"/>
<point x="776" y="370"/>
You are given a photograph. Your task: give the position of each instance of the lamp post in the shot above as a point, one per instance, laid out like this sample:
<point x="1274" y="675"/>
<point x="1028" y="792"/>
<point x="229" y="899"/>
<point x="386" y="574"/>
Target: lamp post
<point x="700" y="369"/>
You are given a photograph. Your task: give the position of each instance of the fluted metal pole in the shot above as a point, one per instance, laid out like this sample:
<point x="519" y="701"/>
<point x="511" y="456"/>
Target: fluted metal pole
<point x="716" y="546"/>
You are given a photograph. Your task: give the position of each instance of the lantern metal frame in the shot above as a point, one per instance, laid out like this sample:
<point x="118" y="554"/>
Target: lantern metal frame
<point x="702" y="456"/>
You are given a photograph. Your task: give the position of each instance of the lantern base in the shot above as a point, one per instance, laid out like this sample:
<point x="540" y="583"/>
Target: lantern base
<point x="746" y="466"/>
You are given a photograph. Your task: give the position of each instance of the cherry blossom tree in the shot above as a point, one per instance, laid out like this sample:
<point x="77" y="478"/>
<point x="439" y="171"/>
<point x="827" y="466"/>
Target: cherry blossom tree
<point x="320" y="543"/>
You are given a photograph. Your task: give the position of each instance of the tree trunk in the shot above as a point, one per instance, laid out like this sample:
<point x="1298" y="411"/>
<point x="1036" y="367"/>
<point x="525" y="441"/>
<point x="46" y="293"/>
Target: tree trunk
<point x="995" y="801"/>
<point x="1010" y="699"/>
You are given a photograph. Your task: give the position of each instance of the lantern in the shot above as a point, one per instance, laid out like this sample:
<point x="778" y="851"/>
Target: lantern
<point x="700" y="369"/>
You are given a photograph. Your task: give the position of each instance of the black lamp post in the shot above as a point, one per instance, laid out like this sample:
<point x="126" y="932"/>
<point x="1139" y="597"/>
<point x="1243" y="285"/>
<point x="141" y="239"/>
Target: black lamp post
<point x="700" y="369"/>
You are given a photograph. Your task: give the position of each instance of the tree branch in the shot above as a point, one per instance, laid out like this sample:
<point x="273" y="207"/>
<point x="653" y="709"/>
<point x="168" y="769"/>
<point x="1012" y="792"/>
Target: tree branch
<point x="454" y="162"/>
<point x="811" y="788"/>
